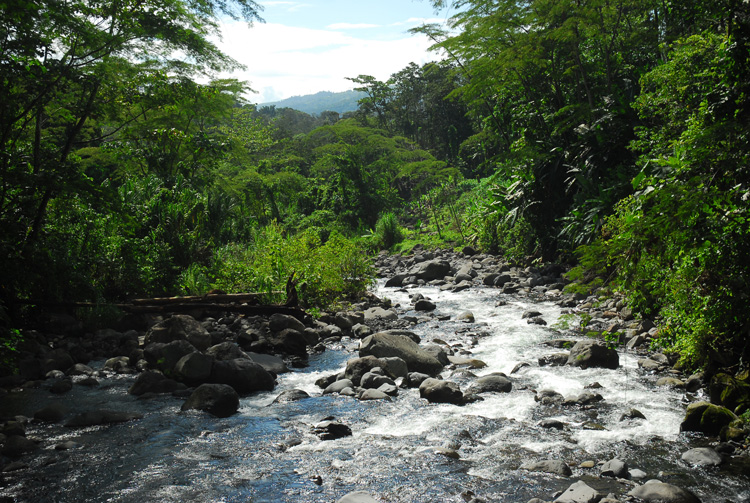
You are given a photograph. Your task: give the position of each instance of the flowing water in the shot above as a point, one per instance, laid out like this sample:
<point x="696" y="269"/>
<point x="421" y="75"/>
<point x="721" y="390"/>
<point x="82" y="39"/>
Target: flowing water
<point x="268" y="452"/>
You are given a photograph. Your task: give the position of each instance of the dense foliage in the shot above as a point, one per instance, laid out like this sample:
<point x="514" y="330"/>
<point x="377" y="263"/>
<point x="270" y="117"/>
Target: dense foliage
<point x="612" y="133"/>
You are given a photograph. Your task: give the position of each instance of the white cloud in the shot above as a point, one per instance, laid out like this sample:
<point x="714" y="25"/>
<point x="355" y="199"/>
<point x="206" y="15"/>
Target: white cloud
<point x="351" y="26"/>
<point x="285" y="61"/>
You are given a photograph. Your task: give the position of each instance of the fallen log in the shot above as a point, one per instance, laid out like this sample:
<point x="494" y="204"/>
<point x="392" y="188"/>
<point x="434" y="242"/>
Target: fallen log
<point x="248" y="309"/>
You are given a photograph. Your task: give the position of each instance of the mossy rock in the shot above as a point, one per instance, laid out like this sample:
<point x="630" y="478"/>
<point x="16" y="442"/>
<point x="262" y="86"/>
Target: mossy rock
<point x="706" y="418"/>
<point x="729" y="391"/>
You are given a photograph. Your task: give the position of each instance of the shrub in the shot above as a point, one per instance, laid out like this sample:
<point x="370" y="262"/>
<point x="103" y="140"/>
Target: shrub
<point x="387" y="231"/>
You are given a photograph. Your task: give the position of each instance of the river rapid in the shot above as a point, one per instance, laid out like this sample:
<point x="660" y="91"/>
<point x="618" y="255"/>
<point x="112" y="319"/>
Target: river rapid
<point x="404" y="450"/>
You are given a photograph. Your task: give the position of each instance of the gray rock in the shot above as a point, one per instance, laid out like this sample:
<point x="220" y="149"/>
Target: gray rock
<point x="338" y="386"/>
<point x="706" y="418"/>
<point x="373" y="394"/>
<point x="291" y="395"/>
<point x="431" y="270"/>
<point x="357" y="497"/>
<point x="659" y="492"/>
<point x="650" y="365"/>
<point x="374" y="381"/>
<point x="415" y="379"/>
<point x="466" y="317"/>
<point x="554" y="360"/>
<point x="531" y="313"/>
<point x="331" y="430"/>
<point x="585" y="398"/>
<point x="361" y="331"/>
<point x="219" y="400"/>
<point x="194" y="368"/>
<point x="615" y="468"/>
<point x="394" y="366"/>
<point x="553" y="466"/>
<point x="358" y="367"/>
<point x="272" y="364"/>
<point x="244" y="375"/>
<point x="288" y="341"/>
<point x="551" y="423"/>
<point x="383" y="344"/>
<point x="437" y="391"/>
<point x="278" y="322"/>
<point x="99" y="417"/>
<point x="702" y="456"/>
<point x="56" y="359"/>
<point x="52" y="413"/>
<point x="491" y="384"/>
<point x="227" y="350"/>
<point x="164" y="356"/>
<point x="632" y="414"/>
<point x="588" y="353"/>
<point x="424" y="305"/>
<point x="16" y="446"/>
<point x="375" y="313"/>
<point x="579" y="492"/>
<point x="179" y="327"/>
<point x="154" y="382"/>
<point x="670" y="382"/>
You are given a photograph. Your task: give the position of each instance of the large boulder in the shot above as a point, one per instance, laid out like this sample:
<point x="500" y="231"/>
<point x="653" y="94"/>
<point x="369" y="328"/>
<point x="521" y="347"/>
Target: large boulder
<point x="57" y="359"/>
<point x="702" y="456"/>
<point x="437" y="391"/>
<point x="659" y="492"/>
<point x="154" y="382"/>
<point x="382" y="344"/>
<point x="272" y="364"/>
<point x="194" y="368"/>
<point x="430" y="270"/>
<point x="164" y="356"/>
<point x="706" y="418"/>
<point x="493" y="383"/>
<point x="288" y="341"/>
<point x="357" y="367"/>
<point x="219" y="400"/>
<point x="278" y="322"/>
<point x="244" y="375"/>
<point x="227" y="350"/>
<point x="179" y="327"/>
<point x="588" y="353"/>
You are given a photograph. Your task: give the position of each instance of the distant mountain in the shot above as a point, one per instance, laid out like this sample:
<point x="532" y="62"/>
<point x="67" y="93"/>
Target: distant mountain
<point x="314" y="104"/>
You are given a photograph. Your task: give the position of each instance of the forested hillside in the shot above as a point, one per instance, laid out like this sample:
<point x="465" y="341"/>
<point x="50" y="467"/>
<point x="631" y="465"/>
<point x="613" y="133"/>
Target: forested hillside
<point x="613" y="136"/>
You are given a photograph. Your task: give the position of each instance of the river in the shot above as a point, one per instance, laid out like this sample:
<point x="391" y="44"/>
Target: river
<point x="400" y="451"/>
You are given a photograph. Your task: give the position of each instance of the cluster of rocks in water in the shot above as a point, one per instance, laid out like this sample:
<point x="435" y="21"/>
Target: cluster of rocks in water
<point x="211" y="363"/>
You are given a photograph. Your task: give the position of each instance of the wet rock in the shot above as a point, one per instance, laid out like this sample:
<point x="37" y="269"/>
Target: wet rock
<point x="360" y="331"/>
<point x="636" y="474"/>
<point x="288" y="341"/>
<point x="384" y="344"/>
<point x="579" y="492"/>
<point x="373" y="394"/>
<point x="338" y="386"/>
<point x="244" y="375"/>
<point x="531" y="313"/>
<point x="437" y="391"/>
<point x="61" y="386"/>
<point x="375" y="313"/>
<point x="357" y="497"/>
<point x="79" y="369"/>
<point x="415" y="379"/>
<point x="706" y="418"/>
<point x="702" y="456"/>
<point x="291" y="395"/>
<point x="227" y="350"/>
<point x="56" y="359"/>
<point x="694" y="382"/>
<point x="431" y="270"/>
<point x="154" y="382"/>
<point x="493" y="383"/>
<point x="424" y="305"/>
<point x="588" y="353"/>
<point x="548" y="397"/>
<point x="331" y="430"/>
<point x="220" y="400"/>
<point x="52" y="413"/>
<point x="466" y="317"/>
<point x="372" y="380"/>
<point x="551" y="424"/>
<point x="194" y="368"/>
<point x="164" y="356"/>
<point x="271" y="363"/>
<point x="14" y="466"/>
<point x="650" y="365"/>
<point x="16" y="446"/>
<point x="395" y="281"/>
<point x="179" y="327"/>
<point x="560" y="343"/>
<point x="554" y="360"/>
<point x="358" y="367"/>
<point x="670" y="382"/>
<point x="585" y="398"/>
<point x="553" y="466"/>
<point x="278" y="322"/>
<point x="615" y="468"/>
<point x="394" y="366"/>
<point x="470" y="362"/>
<point x="521" y="365"/>
<point x="659" y="492"/>
<point x="632" y="414"/>
<point x="100" y="417"/>
<point x="389" y="389"/>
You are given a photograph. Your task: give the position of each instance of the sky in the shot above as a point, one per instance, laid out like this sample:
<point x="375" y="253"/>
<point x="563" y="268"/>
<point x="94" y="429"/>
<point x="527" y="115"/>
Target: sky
<point x="307" y="46"/>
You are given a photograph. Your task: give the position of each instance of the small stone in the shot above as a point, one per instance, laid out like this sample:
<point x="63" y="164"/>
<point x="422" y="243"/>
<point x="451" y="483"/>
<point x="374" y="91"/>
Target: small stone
<point x="587" y="464"/>
<point x="702" y="456"/>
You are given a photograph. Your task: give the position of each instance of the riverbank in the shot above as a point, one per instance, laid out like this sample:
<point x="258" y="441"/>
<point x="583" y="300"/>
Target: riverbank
<point x="449" y="432"/>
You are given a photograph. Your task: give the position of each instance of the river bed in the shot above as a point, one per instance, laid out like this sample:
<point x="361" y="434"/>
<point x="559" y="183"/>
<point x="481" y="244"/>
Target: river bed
<point x="398" y="451"/>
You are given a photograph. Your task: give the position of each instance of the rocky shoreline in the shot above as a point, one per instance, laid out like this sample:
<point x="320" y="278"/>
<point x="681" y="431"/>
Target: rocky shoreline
<point x="210" y="360"/>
